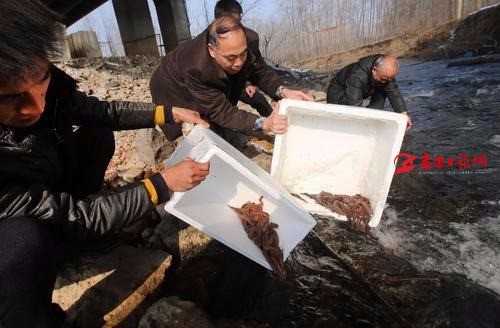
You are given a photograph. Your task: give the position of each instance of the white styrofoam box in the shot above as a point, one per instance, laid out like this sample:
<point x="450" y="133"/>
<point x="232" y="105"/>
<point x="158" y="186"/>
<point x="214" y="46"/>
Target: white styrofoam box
<point x="338" y="149"/>
<point x="234" y="180"/>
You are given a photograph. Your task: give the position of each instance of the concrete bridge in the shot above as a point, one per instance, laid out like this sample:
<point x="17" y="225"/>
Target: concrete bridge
<point x="134" y="21"/>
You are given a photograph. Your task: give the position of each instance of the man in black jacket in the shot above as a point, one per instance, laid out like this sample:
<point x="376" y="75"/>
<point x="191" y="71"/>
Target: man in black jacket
<point x="55" y="144"/>
<point x="369" y="82"/>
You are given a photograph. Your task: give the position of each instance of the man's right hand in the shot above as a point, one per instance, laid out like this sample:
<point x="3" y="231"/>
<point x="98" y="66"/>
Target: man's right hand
<point x="296" y="94"/>
<point x="185" y="175"/>
<point x="183" y="115"/>
<point x="275" y="123"/>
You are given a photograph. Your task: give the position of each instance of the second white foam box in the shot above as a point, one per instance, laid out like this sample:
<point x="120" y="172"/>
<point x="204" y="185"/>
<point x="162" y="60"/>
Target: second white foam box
<point x="338" y="149"/>
<point x="234" y="180"/>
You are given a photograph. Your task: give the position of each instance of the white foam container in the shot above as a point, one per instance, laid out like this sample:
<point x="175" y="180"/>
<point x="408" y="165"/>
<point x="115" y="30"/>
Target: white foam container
<point x="234" y="180"/>
<point x="338" y="149"/>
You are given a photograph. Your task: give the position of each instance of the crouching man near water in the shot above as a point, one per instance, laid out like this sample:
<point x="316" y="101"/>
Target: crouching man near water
<point x="209" y="74"/>
<point x="369" y="82"/>
<point x="55" y="145"/>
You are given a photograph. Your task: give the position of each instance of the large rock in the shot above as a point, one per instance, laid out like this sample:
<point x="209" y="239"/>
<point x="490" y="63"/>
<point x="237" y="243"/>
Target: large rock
<point x="479" y="32"/>
<point x="111" y="289"/>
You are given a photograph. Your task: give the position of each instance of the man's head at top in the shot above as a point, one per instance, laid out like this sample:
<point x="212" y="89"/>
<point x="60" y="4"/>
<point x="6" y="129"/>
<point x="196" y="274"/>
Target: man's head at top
<point x="30" y="36"/>
<point x="228" y="8"/>
<point x="385" y="69"/>
<point x="227" y="44"/>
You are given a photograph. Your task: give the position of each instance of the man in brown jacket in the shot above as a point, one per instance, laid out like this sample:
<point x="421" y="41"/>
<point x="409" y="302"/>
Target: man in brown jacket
<point x="250" y="95"/>
<point x="209" y="73"/>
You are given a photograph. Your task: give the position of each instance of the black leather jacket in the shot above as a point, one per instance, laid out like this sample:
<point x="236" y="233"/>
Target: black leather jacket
<point x="36" y="169"/>
<point x="357" y="81"/>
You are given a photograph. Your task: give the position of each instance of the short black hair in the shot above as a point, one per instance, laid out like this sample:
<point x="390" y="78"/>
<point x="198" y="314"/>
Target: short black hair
<point x="29" y="33"/>
<point x="221" y="26"/>
<point x="227" y="7"/>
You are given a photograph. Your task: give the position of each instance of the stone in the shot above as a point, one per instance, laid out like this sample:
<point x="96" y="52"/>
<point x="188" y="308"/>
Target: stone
<point x="174" y="312"/>
<point x="111" y="289"/>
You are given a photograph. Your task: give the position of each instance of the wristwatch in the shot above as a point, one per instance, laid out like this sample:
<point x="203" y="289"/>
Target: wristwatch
<point x="279" y="91"/>
<point x="259" y="123"/>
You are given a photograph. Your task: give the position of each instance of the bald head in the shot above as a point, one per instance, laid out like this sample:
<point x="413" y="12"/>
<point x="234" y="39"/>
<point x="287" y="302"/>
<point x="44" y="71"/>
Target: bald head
<point x="385" y="69"/>
<point x="227" y="44"/>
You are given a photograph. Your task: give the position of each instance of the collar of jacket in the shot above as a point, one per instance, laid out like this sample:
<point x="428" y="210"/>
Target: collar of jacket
<point x="61" y="87"/>
<point x="61" y="84"/>
<point x="372" y="59"/>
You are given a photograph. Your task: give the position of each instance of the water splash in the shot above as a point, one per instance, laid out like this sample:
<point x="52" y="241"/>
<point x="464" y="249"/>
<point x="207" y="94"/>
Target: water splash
<point x="472" y="249"/>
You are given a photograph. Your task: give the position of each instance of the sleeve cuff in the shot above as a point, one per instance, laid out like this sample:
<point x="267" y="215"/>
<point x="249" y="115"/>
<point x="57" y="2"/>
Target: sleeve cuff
<point x="259" y="123"/>
<point x="163" y="115"/>
<point x="157" y="189"/>
<point x="277" y="95"/>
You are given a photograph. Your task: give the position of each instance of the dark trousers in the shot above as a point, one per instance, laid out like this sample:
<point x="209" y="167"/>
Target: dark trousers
<point x="258" y="101"/>
<point x="336" y="95"/>
<point x="31" y="251"/>
<point x="28" y="267"/>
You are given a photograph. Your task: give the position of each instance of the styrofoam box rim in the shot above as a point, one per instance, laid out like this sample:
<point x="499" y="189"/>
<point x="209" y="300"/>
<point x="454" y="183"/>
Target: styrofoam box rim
<point x="322" y="109"/>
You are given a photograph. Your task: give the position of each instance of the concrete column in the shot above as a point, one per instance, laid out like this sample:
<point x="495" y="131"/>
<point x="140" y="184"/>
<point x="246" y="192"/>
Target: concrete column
<point x="460" y="9"/>
<point x="83" y="44"/>
<point x="136" y="27"/>
<point x="174" y="22"/>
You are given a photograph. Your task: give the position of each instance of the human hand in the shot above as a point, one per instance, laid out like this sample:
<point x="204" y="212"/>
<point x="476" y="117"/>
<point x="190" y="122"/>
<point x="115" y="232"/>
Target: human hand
<point x="409" y="125"/>
<point x="250" y="90"/>
<point x="275" y="123"/>
<point x="296" y="94"/>
<point x="183" y="115"/>
<point x="185" y="175"/>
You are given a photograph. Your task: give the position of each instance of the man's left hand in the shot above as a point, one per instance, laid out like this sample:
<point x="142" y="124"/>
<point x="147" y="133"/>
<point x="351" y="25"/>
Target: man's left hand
<point x="296" y="94"/>
<point x="250" y="90"/>
<point x="183" y="115"/>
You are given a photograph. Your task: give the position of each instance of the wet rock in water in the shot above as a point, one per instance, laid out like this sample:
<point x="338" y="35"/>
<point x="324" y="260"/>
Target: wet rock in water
<point x="228" y="285"/>
<point x="174" y="312"/>
<point x="336" y="278"/>
<point x="262" y="232"/>
<point x="327" y="292"/>
<point x="225" y="323"/>
<point x="424" y="298"/>
<point x="356" y="208"/>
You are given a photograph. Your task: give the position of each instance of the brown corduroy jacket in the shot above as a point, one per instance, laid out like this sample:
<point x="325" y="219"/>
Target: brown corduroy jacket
<point x="189" y="77"/>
